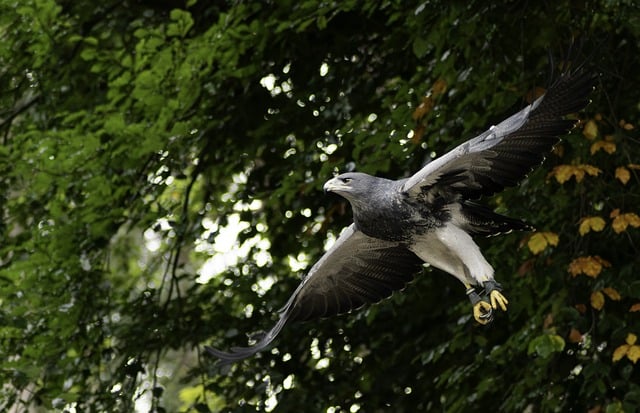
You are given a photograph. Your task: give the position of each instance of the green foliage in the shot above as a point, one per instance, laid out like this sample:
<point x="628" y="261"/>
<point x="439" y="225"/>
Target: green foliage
<point x="135" y="133"/>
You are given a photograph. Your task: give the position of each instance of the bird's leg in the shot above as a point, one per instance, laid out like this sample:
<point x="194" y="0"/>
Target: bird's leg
<point x="482" y="310"/>
<point x="492" y="290"/>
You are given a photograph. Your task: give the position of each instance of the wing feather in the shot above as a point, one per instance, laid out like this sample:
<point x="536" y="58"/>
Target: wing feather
<point x="501" y="156"/>
<point x="356" y="271"/>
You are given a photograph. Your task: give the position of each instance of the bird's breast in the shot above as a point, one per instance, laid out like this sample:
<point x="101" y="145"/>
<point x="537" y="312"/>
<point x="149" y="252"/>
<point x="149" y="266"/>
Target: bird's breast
<point x="397" y="220"/>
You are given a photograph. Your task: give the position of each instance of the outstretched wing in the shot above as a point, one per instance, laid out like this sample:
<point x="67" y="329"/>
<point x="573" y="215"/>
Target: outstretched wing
<point x="355" y="271"/>
<point x="503" y="155"/>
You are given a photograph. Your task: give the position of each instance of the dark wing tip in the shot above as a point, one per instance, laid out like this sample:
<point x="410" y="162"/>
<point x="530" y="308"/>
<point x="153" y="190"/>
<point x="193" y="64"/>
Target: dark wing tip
<point x="357" y="270"/>
<point x="234" y="355"/>
<point x="569" y="93"/>
<point x="240" y="353"/>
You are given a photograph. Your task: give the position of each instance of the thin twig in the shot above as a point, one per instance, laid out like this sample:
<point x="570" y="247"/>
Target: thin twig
<point x="6" y="121"/>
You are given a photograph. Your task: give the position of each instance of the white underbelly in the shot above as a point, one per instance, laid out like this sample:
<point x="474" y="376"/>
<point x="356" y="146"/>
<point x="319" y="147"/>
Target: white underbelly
<point x="451" y="249"/>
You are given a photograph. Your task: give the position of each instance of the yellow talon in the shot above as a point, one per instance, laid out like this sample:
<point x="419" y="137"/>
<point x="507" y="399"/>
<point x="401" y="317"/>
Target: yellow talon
<point x="497" y="299"/>
<point x="482" y="312"/>
<point x="483" y="306"/>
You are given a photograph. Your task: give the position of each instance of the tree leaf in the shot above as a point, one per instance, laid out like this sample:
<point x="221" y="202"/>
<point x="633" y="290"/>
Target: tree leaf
<point x="591" y="266"/>
<point x="575" y="336"/>
<point x="620" y="352"/>
<point x="424" y="108"/>
<point x="590" y="170"/>
<point x="540" y="240"/>
<point x="588" y="224"/>
<point x="597" y="300"/>
<point x="626" y="125"/>
<point x="420" y="46"/>
<point x="563" y="173"/>
<point x="607" y="146"/>
<point x="633" y="354"/>
<point x="439" y="87"/>
<point x="612" y="293"/>
<point x="622" y="221"/>
<point x="545" y="345"/>
<point x="622" y="174"/>
<point x="590" y="130"/>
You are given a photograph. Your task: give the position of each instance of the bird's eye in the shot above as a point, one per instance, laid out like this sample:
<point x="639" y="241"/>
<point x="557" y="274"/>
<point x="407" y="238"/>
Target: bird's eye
<point x="345" y="180"/>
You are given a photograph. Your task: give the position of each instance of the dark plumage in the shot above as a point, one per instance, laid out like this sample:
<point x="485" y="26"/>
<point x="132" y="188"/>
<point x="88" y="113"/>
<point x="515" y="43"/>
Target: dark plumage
<point x="430" y="217"/>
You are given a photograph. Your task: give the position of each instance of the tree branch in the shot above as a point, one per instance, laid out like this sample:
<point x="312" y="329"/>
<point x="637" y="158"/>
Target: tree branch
<point x="17" y="111"/>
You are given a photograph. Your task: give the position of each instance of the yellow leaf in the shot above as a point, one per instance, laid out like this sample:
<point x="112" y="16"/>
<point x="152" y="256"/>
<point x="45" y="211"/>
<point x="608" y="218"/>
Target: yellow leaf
<point x="591" y="224"/>
<point x="578" y="173"/>
<point x="619" y="224"/>
<point x="622" y="221"/>
<point x="590" y="266"/>
<point x="552" y="238"/>
<point x="591" y="170"/>
<point x="614" y="213"/>
<point x="633" y="166"/>
<point x="620" y="352"/>
<point x="608" y="147"/>
<point x="623" y="175"/>
<point x="597" y="300"/>
<point x="563" y="173"/>
<point x="634" y="308"/>
<point x="633" y="354"/>
<point x="631" y="339"/>
<point x="590" y="130"/>
<point x="612" y="293"/>
<point x="633" y="219"/>
<point x="539" y="241"/>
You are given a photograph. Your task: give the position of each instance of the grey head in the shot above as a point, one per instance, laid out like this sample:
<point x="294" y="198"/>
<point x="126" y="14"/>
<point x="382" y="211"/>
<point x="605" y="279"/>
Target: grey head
<point x="357" y="187"/>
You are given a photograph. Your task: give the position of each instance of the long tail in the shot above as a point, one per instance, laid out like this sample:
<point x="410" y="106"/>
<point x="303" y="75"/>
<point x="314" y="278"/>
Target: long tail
<point x="241" y="353"/>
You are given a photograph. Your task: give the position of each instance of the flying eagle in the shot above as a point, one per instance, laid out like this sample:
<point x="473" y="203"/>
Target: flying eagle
<point x="430" y="217"/>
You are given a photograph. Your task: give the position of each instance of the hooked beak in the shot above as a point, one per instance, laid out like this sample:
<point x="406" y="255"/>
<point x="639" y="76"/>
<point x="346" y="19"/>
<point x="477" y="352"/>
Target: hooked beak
<point x="333" y="185"/>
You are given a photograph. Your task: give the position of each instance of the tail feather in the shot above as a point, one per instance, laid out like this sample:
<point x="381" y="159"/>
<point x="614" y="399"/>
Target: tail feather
<point x="482" y="220"/>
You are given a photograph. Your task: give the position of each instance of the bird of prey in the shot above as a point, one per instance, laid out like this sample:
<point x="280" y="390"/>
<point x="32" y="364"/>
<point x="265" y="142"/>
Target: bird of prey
<point x="430" y="217"/>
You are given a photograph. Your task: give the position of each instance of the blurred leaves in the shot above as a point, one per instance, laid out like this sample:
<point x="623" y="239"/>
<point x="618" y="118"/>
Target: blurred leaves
<point x="597" y="300"/>
<point x="591" y="266"/>
<point x="623" y="174"/>
<point x="630" y="349"/>
<point x="546" y="344"/>
<point x="540" y="240"/>
<point x="137" y="137"/>
<point x="564" y="173"/>
<point x="589" y="224"/>
<point x="621" y="221"/>
<point x="590" y="130"/>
